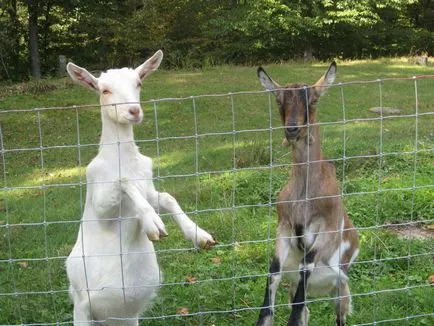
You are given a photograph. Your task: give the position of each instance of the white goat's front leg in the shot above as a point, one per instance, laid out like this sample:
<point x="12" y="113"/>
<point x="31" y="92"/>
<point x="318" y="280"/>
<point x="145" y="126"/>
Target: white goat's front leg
<point x="191" y="231"/>
<point x="150" y="221"/>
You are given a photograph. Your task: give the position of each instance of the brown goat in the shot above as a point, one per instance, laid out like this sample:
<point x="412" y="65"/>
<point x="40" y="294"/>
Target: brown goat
<point x="316" y="241"/>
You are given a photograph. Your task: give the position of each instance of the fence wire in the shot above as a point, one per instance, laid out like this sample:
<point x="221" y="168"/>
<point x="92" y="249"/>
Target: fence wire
<point x="229" y="186"/>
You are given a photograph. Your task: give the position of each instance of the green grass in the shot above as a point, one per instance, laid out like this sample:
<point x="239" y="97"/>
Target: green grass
<point x="226" y="186"/>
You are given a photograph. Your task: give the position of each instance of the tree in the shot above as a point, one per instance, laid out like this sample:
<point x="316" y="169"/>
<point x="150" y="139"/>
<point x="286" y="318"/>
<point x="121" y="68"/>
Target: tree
<point x="193" y="33"/>
<point x="35" y="61"/>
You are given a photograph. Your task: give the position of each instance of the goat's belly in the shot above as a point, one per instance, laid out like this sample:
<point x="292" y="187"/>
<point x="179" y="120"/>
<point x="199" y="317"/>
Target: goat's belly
<point x="322" y="279"/>
<point x="128" y="278"/>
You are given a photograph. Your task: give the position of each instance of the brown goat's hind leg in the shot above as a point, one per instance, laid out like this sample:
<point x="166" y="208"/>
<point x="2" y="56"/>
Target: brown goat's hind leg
<point x="273" y="281"/>
<point x="300" y="313"/>
<point x="342" y="303"/>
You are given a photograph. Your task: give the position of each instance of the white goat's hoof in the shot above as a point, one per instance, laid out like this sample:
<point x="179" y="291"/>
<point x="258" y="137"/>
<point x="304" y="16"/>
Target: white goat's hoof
<point x="154" y="227"/>
<point x="202" y="239"/>
<point x="160" y="225"/>
<point x="153" y="236"/>
<point x="163" y="233"/>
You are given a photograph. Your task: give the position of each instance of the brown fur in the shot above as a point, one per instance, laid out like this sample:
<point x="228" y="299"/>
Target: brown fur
<point x="310" y="203"/>
<point x="323" y="196"/>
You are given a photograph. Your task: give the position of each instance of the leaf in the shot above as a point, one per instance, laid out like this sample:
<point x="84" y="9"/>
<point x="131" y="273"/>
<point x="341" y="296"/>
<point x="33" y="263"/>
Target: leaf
<point x="429" y="226"/>
<point x="190" y="279"/>
<point x="182" y="311"/>
<point x="216" y="260"/>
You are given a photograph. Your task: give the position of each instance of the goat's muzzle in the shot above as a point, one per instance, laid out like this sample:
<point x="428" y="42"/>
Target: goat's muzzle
<point x="291" y="132"/>
<point x="135" y="114"/>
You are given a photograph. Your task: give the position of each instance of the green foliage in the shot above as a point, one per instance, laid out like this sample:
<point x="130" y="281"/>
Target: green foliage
<point x="195" y="33"/>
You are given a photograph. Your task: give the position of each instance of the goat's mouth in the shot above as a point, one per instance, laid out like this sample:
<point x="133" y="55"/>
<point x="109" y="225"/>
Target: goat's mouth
<point x="292" y="133"/>
<point x="134" y="120"/>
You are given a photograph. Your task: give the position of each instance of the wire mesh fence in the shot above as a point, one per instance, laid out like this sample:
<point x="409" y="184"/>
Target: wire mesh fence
<point x="220" y="155"/>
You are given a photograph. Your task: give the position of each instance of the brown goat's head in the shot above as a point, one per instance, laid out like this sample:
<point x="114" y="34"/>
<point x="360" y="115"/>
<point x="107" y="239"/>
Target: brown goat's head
<point x="297" y="101"/>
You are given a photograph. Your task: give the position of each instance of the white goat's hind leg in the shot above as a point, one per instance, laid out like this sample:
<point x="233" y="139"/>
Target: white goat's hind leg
<point x="122" y="322"/>
<point x="82" y="314"/>
<point x="191" y="230"/>
<point x="151" y="223"/>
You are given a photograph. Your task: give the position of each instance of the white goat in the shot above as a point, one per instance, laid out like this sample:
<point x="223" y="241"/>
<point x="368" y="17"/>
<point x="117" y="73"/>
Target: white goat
<point x="113" y="269"/>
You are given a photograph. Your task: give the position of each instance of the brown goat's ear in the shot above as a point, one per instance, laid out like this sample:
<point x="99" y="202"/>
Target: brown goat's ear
<point x="325" y="81"/>
<point x="268" y="83"/>
<point x="150" y="65"/>
<point x="82" y="76"/>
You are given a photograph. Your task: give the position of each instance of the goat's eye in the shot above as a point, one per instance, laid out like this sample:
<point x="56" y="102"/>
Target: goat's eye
<point x="106" y="92"/>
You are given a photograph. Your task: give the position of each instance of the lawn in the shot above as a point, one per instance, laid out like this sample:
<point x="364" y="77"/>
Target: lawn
<point x="221" y="157"/>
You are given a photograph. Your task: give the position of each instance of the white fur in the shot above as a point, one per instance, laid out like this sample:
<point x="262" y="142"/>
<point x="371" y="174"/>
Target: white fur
<point x="113" y="269"/>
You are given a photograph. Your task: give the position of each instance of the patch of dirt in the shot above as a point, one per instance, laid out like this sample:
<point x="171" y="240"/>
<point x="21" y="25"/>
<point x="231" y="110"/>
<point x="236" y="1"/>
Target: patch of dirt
<point x="384" y="110"/>
<point x="417" y="230"/>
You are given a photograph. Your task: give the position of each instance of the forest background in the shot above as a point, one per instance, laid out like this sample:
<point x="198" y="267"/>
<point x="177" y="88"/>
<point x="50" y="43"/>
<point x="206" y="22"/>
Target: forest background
<point x="198" y="33"/>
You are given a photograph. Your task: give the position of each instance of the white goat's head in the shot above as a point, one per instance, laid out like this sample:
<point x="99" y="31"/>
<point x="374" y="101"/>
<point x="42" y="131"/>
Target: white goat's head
<point x="118" y="89"/>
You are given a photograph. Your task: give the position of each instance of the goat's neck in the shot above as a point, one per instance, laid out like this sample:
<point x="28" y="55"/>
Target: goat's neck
<point x="305" y="151"/>
<point x="116" y="138"/>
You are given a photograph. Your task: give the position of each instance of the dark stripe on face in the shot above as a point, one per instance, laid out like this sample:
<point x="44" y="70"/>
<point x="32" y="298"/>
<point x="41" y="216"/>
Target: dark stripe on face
<point x="306" y="104"/>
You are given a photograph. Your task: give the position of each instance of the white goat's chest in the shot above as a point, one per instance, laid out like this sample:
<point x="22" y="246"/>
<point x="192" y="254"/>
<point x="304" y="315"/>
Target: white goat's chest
<point x="136" y="168"/>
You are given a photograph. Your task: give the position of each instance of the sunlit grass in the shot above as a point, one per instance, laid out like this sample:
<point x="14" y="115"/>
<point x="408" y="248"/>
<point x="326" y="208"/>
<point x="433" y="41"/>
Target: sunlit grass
<point x="229" y="186"/>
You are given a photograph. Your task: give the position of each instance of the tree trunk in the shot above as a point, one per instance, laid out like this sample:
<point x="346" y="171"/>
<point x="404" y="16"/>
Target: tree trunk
<point x="17" y="67"/>
<point x="33" y="38"/>
<point x="308" y="52"/>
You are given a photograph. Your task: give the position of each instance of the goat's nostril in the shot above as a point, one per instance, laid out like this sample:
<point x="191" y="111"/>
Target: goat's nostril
<point x="291" y="130"/>
<point x="134" y="111"/>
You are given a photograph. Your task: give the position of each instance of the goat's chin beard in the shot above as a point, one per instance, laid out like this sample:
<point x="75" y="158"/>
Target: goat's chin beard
<point x="135" y="122"/>
<point x="288" y="142"/>
<point x="292" y="141"/>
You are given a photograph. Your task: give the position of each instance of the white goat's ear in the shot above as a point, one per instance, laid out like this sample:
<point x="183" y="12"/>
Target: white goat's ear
<point x="150" y="65"/>
<point x="266" y="81"/>
<point x="326" y="80"/>
<point x="82" y="76"/>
